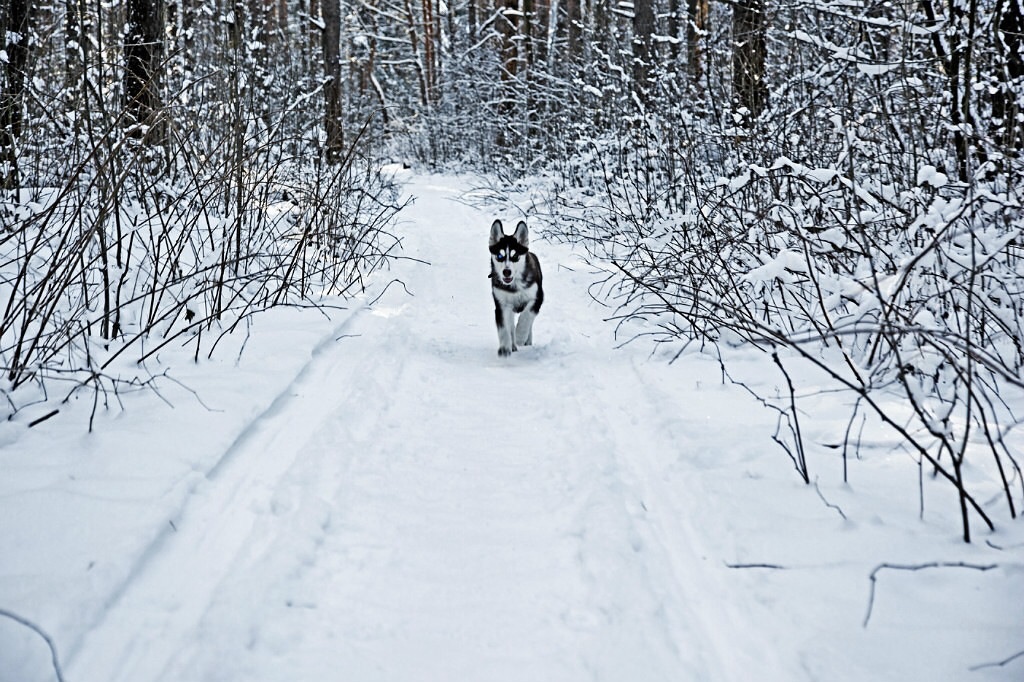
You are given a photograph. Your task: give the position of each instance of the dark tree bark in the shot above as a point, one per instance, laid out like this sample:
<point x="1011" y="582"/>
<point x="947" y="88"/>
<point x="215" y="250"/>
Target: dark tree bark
<point x="543" y="23"/>
<point x="332" y="72"/>
<point x="673" y="30"/>
<point x="143" y="52"/>
<point x="508" y="27"/>
<point x="643" y="49"/>
<point x="1007" y="101"/>
<point x="527" y="35"/>
<point x="15" y="37"/>
<point x="430" y="53"/>
<point x="75" y="44"/>
<point x="574" y="30"/>
<point x="417" y="53"/>
<point x="956" y="66"/>
<point x="748" y="57"/>
<point x="696" y="24"/>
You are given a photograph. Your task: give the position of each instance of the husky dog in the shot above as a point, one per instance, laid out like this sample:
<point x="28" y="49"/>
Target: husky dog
<point x="515" y="285"/>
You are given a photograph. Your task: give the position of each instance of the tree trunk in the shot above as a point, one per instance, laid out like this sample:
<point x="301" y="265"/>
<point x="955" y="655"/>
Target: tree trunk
<point x="414" y="44"/>
<point x="696" y="24"/>
<point x="76" y="44"/>
<point x="508" y="27"/>
<point x="643" y="49"/>
<point x="143" y="51"/>
<point x="750" y="93"/>
<point x="527" y="37"/>
<point x="16" y="25"/>
<point x="332" y="73"/>
<point x="1007" y="101"/>
<point x="673" y="32"/>
<point x="574" y="30"/>
<point x="430" y="56"/>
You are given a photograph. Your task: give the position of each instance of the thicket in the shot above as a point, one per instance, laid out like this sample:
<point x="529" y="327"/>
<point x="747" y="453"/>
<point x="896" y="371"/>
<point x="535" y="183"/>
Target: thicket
<point x="161" y="209"/>
<point x="866" y="222"/>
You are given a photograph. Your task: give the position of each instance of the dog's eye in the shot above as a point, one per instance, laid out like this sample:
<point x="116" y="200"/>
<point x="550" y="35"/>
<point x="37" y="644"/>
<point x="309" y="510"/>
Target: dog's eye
<point x="500" y="257"/>
<point x="515" y="257"/>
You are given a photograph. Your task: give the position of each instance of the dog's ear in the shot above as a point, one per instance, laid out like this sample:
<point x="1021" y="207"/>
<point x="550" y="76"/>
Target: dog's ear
<point x="522" y="235"/>
<point x="497" y="232"/>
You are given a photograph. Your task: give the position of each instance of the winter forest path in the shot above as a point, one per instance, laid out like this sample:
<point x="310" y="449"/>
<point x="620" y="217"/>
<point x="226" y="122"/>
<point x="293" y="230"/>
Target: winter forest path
<point x="415" y="508"/>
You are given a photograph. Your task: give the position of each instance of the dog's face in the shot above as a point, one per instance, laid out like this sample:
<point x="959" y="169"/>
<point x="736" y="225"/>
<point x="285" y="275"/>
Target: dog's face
<point x="508" y="253"/>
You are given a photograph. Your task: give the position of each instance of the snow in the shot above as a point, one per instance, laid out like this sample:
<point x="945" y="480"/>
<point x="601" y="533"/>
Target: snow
<point x="375" y="495"/>
<point x="928" y="174"/>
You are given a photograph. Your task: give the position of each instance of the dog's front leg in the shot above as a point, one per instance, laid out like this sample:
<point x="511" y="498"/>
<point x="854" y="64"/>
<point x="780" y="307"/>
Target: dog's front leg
<point x="524" y="328"/>
<point x="503" y="318"/>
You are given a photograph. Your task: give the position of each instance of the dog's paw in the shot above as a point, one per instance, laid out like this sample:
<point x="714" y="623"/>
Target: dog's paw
<point x="505" y="351"/>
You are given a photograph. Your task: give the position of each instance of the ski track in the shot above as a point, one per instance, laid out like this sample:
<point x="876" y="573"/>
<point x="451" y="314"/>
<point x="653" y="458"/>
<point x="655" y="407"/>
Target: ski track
<point x="415" y="508"/>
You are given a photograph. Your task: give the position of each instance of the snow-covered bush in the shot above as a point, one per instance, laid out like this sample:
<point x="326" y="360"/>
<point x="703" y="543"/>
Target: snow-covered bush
<point x="122" y="240"/>
<point x="866" y="224"/>
<point x="103" y="272"/>
<point x="917" y="293"/>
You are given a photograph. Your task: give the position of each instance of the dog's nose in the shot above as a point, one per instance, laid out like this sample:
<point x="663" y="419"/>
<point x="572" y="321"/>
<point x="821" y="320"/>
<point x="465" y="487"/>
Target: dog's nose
<point x="506" y="272"/>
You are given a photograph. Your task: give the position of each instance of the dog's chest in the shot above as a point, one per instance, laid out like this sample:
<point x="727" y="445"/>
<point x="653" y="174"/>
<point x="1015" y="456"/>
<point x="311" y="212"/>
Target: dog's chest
<point x="517" y="299"/>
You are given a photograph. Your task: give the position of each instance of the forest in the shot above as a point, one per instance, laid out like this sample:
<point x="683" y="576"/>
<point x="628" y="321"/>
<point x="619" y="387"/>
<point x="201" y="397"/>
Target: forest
<point x="835" y="182"/>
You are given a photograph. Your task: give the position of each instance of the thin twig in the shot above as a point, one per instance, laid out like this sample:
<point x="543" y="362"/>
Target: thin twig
<point x="997" y="664"/>
<point x="827" y="503"/>
<point x="42" y="633"/>
<point x="916" y="567"/>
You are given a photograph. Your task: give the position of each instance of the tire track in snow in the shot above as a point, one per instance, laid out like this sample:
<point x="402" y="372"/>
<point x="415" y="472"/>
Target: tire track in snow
<point x="680" y="518"/>
<point x="165" y="592"/>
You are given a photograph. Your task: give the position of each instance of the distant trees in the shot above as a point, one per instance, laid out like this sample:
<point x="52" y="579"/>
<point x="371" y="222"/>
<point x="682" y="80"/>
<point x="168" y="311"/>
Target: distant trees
<point x="490" y="76"/>
<point x="524" y="69"/>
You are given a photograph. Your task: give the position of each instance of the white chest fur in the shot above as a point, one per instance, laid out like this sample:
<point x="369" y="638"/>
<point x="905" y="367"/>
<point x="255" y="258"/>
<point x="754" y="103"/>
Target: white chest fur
<point x="516" y="300"/>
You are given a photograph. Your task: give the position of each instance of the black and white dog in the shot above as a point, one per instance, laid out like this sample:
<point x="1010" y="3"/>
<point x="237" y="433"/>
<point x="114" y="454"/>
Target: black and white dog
<point x="515" y="285"/>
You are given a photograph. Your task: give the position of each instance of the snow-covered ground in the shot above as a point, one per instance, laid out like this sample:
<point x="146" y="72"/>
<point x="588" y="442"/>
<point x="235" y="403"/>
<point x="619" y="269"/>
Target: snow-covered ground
<point x="378" y="496"/>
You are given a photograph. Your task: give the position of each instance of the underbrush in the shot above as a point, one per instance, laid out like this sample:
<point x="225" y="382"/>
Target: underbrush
<point x="864" y="231"/>
<point x="121" y="249"/>
<point x="904" y="293"/>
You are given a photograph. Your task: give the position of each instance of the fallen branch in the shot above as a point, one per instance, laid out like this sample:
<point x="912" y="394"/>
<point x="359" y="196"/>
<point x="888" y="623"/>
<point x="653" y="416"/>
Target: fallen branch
<point x="827" y="503"/>
<point x="39" y="420"/>
<point x="997" y="664"/>
<point x="916" y="567"/>
<point x="775" y="567"/>
<point x="42" y="633"/>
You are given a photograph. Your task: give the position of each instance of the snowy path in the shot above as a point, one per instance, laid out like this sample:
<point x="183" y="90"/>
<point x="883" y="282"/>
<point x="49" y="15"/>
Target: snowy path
<point x="416" y="508"/>
<point x="412" y="508"/>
